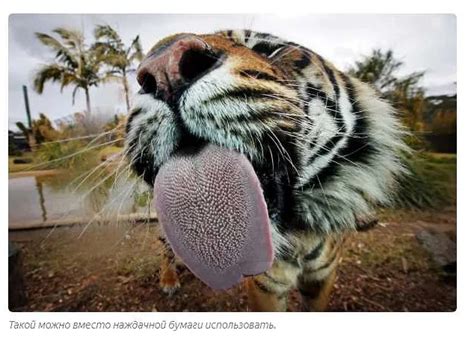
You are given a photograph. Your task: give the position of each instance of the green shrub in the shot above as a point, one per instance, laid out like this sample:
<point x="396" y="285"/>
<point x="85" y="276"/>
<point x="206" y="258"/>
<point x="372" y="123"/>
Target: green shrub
<point x="67" y="155"/>
<point x="430" y="184"/>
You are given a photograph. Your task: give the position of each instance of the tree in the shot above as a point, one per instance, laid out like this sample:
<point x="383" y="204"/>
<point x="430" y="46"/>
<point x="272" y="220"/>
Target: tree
<point x="377" y="69"/>
<point x="444" y="122"/>
<point x="75" y="63"/>
<point x="407" y="96"/>
<point x="119" y="58"/>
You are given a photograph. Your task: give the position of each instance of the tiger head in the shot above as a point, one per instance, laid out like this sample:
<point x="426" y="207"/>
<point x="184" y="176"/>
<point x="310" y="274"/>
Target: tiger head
<point x="323" y="145"/>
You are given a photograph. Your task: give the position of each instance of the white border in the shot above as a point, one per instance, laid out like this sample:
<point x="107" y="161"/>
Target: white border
<point x="373" y="325"/>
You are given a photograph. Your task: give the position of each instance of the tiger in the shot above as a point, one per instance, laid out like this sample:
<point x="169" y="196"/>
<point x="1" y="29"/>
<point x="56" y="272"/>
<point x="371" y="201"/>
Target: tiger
<point x="325" y="146"/>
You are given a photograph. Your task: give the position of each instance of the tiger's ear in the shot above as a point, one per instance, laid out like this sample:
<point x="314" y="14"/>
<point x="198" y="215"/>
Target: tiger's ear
<point x="366" y="223"/>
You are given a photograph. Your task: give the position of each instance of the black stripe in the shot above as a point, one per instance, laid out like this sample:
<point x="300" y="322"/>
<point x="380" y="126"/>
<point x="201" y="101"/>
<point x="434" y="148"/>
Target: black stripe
<point x="241" y="93"/>
<point x="366" y="225"/>
<point x="326" y="148"/>
<point x="278" y="178"/>
<point x="315" y="253"/>
<point x="325" y="174"/>
<point x="254" y="74"/>
<point x="311" y="291"/>
<point x="143" y="166"/>
<point x="358" y="147"/>
<point x="264" y="36"/>
<point x="247" y="35"/>
<point x="303" y="62"/>
<point x="169" y="253"/>
<point x="330" y="74"/>
<point x="273" y="280"/>
<point x="265" y="48"/>
<point x="288" y="258"/>
<point x="151" y="120"/>
<point x="131" y="116"/>
<point x="326" y="265"/>
<point x="262" y="287"/>
<point x="231" y="123"/>
<point x="309" y="120"/>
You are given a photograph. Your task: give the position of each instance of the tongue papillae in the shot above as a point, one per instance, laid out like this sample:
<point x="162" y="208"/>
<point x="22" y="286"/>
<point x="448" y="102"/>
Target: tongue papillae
<point x="213" y="212"/>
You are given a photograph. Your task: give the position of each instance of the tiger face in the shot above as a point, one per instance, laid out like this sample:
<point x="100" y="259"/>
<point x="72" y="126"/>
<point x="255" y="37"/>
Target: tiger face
<point x="323" y="145"/>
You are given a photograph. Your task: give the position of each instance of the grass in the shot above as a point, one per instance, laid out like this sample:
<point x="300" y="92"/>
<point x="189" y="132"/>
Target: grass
<point x="109" y="150"/>
<point x="12" y="167"/>
<point x="50" y="155"/>
<point x="383" y="253"/>
<point x="432" y="182"/>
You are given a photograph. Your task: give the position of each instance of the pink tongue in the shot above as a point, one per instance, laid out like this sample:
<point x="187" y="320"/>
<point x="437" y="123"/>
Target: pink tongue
<point x="212" y="209"/>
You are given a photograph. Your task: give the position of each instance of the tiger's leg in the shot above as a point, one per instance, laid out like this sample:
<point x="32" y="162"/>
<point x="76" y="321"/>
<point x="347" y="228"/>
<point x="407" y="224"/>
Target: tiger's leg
<point x="316" y="294"/>
<point x="319" y="273"/>
<point x="169" y="280"/>
<point x="269" y="291"/>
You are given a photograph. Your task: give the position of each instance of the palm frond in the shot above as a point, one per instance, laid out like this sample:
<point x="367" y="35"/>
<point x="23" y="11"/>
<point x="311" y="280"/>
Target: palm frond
<point x="106" y="32"/>
<point x="63" y="53"/>
<point x="111" y="76"/>
<point x="138" y="50"/>
<point x="68" y="78"/>
<point x="51" y="72"/>
<point x="116" y="60"/>
<point x="72" y="38"/>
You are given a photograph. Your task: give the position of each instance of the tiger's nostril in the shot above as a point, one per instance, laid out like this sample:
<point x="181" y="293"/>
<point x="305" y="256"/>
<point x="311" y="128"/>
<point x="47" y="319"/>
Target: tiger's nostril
<point x="148" y="84"/>
<point x="195" y="63"/>
<point x="166" y="72"/>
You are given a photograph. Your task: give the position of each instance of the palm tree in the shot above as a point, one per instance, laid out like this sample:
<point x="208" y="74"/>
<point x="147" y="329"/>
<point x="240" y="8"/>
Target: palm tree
<point x="75" y="63"/>
<point x="119" y="58"/>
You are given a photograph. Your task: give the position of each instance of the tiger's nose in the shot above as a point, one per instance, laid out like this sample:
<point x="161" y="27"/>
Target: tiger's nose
<point x="166" y="71"/>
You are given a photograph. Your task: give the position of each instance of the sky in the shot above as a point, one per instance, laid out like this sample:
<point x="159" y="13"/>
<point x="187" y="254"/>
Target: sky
<point x="423" y="42"/>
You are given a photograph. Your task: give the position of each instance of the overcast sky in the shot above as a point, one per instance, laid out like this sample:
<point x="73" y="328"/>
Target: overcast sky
<point x="422" y="42"/>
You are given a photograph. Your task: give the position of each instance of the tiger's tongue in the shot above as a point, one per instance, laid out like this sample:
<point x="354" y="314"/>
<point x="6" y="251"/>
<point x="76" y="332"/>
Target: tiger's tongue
<point x="213" y="212"/>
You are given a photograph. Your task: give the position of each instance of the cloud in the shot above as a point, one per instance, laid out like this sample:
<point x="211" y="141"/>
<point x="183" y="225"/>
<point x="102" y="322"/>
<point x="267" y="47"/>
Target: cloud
<point x="423" y="42"/>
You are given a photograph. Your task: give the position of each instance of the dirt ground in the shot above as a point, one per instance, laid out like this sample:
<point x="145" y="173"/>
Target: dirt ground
<point x="116" y="269"/>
